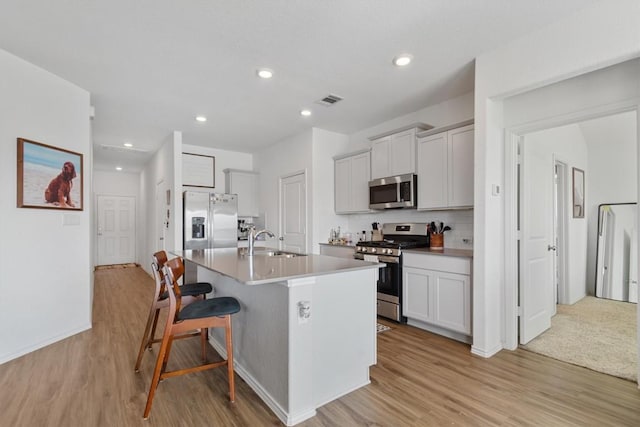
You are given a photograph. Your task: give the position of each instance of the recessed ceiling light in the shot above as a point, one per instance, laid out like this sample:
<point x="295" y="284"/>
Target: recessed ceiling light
<point x="402" y="60"/>
<point x="305" y="113"/>
<point x="128" y="144"/>
<point x="118" y="168"/>
<point x="201" y="119"/>
<point x="264" y="73"/>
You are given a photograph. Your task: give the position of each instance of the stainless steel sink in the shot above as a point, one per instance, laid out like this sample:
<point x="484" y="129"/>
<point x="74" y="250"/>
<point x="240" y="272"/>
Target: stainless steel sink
<point x="272" y="253"/>
<point x="279" y="254"/>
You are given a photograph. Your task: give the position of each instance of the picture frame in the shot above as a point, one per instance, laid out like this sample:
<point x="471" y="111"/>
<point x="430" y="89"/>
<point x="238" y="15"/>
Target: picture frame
<point x="578" y="193"/>
<point x="198" y="170"/>
<point x="49" y="177"/>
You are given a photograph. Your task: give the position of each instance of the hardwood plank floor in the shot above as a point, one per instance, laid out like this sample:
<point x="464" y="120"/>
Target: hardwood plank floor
<point x="421" y="379"/>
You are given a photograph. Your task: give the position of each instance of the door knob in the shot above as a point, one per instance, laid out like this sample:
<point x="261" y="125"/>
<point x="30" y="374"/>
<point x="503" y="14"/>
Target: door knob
<point x="551" y="248"/>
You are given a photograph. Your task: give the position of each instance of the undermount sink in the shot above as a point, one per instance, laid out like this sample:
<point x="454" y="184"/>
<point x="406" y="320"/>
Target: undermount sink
<point x="273" y="253"/>
<point x="279" y="254"/>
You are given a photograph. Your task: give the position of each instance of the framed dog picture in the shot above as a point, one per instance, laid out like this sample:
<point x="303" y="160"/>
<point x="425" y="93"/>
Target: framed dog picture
<point x="48" y="177"/>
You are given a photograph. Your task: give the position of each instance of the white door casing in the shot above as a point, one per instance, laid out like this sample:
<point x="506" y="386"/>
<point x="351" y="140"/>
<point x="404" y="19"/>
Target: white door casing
<point x="161" y="217"/>
<point x="536" y="243"/>
<point x="293" y="213"/>
<point x="116" y="230"/>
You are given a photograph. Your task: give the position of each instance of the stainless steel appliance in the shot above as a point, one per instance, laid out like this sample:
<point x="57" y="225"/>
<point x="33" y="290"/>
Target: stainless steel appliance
<point x="396" y="238"/>
<point x="210" y="221"/>
<point x="394" y="192"/>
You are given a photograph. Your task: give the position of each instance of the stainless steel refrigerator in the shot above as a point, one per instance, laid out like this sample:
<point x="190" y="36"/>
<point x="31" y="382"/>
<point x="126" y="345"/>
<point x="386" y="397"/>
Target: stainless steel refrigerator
<point x="210" y="221"/>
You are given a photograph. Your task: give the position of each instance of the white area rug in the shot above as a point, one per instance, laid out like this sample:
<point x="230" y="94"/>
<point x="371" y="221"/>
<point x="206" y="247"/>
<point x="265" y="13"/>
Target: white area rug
<point x="381" y="328"/>
<point x="596" y="333"/>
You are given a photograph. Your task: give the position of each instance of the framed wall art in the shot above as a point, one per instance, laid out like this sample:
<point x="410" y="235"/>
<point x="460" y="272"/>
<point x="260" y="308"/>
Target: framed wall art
<point x="578" y="193"/>
<point x="49" y="177"/>
<point x="198" y="170"/>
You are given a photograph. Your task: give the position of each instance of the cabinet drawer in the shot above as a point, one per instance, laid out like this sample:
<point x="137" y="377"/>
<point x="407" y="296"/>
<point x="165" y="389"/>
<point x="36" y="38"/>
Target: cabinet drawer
<point x="451" y="264"/>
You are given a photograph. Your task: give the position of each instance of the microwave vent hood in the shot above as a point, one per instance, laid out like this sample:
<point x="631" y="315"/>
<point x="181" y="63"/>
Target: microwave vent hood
<point x="394" y="192"/>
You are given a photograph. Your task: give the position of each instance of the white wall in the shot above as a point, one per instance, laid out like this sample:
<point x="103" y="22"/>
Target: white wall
<point x="567" y="144"/>
<point x="324" y="146"/>
<point x="602" y="34"/>
<point x="613" y="173"/>
<point x="284" y="158"/>
<point x="46" y="278"/>
<point x="224" y="159"/>
<point x="124" y="184"/>
<point x="449" y="112"/>
<point x="162" y="173"/>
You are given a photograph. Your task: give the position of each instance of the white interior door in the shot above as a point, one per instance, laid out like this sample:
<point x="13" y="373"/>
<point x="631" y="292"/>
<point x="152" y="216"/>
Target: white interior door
<point x="536" y="242"/>
<point x="116" y="230"/>
<point x="293" y="213"/>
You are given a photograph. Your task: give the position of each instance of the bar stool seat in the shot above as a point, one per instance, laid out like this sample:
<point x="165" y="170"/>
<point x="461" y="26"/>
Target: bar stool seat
<point x="191" y="292"/>
<point x="203" y="314"/>
<point x="220" y="306"/>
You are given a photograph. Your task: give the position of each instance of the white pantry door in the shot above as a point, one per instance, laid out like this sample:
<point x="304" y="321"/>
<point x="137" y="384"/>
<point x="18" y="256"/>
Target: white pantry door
<point x="293" y="213"/>
<point x="116" y="230"/>
<point x="536" y="242"/>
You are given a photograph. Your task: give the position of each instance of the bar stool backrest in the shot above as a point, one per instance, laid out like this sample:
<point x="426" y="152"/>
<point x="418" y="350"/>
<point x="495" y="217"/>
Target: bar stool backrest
<point x="173" y="271"/>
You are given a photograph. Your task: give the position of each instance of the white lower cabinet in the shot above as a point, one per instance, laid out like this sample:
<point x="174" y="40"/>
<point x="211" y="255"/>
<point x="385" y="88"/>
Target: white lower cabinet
<point x="437" y="292"/>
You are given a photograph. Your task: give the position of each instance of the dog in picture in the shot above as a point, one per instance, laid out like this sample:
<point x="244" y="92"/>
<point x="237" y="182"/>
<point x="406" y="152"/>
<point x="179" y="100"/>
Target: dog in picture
<point x="59" y="190"/>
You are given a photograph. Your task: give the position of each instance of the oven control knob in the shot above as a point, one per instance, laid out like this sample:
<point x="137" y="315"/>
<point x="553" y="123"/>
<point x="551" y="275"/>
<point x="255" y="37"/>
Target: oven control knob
<point x="373" y="250"/>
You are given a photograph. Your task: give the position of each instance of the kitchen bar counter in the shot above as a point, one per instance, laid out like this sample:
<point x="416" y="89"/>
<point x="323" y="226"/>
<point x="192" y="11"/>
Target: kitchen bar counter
<point x="305" y="335"/>
<point x="261" y="269"/>
<point x="466" y="253"/>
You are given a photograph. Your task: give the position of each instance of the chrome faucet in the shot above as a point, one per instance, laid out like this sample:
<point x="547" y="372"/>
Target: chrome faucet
<point x="253" y="235"/>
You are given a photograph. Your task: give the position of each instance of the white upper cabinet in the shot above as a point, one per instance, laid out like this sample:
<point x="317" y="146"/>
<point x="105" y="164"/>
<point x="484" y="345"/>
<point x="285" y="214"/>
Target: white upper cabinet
<point x="380" y="154"/>
<point x="394" y="153"/>
<point x="445" y="168"/>
<point x="352" y="174"/>
<point x="245" y="185"/>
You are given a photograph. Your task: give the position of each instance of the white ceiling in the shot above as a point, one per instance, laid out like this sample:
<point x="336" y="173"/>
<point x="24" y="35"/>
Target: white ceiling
<point x="152" y="66"/>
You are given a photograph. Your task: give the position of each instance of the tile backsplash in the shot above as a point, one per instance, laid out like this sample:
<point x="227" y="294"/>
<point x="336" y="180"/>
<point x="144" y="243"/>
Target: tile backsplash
<point x="460" y="221"/>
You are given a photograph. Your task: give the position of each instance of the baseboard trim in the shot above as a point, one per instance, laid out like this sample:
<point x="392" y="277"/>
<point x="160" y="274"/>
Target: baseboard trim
<point x="25" y="350"/>
<point x="281" y="413"/>
<point x="486" y="353"/>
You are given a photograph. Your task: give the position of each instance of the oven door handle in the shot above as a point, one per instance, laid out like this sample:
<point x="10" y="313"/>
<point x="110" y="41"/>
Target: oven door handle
<point x="381" y="258"/>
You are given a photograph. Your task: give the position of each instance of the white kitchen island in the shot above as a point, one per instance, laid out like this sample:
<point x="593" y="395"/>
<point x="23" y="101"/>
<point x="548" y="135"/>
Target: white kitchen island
<point x="306" y="333"/>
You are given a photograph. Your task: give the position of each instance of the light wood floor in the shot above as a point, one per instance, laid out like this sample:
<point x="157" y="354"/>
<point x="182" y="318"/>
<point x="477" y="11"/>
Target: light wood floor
<point x="420" y="379"/>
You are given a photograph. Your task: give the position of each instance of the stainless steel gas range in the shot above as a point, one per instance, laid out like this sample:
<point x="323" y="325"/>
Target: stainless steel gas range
<point x="396" y="238"/>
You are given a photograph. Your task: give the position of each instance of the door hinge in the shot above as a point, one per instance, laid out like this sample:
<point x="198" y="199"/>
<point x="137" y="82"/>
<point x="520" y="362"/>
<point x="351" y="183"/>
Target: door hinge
<point x="517" y="234"/>
<point x="519" y="311"/>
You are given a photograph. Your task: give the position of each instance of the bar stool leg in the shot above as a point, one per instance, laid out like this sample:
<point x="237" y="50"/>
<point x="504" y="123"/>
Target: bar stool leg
<point x="152" y="336"/>
<point x="229" y="340"/>
<point x="204" y="335"/>
<point x="162" y="356"/>
<point x="146" y="342"/>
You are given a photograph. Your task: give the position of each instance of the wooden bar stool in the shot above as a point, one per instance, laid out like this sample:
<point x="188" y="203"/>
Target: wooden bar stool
<point x="210" y="313"/>
<point x="190" y="292"/>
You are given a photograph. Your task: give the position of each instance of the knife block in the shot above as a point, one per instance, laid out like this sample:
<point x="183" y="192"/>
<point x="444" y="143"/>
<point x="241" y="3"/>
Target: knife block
<point x="376" y="235"/>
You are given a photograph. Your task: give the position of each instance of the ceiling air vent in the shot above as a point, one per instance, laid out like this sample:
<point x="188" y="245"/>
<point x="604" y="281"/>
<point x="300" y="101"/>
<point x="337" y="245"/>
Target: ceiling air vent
<point x="329" y="100"/>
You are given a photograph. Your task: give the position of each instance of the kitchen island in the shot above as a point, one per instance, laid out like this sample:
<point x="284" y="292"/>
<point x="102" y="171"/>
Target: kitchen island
<point x="306" y="333"/>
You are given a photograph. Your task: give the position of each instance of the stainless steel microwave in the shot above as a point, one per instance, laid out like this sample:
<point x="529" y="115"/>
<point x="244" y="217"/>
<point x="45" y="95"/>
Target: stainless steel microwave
<point x="394" y="192"/>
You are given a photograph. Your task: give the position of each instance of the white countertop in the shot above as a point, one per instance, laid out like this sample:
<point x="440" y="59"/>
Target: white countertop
<point x="466" y="253"/>
<point x="261" y="269"/>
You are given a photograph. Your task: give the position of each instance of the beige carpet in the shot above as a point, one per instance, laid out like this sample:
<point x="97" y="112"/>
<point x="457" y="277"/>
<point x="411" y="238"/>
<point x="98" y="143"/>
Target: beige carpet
<point x="596" y="333"/>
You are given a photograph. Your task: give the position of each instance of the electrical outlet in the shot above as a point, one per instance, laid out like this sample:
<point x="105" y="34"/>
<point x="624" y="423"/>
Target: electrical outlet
<point x="467" y="240"/>
<point x="304" y="311"/>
